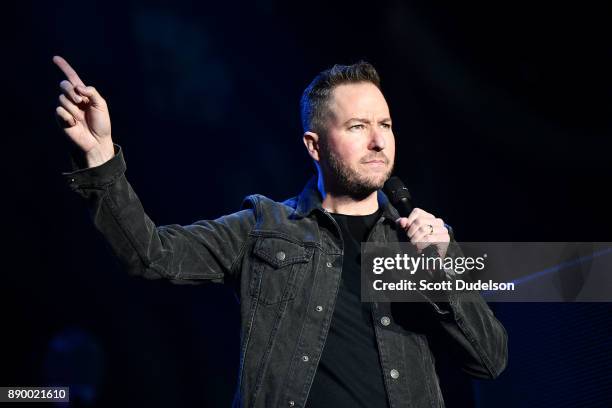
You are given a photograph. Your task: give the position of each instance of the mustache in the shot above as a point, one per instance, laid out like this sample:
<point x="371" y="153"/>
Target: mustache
<point x="379" y="156"/>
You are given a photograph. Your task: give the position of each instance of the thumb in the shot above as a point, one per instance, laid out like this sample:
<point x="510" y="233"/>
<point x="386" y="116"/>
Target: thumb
<point x="402" y="222"/>
<point x="93" y="95"/>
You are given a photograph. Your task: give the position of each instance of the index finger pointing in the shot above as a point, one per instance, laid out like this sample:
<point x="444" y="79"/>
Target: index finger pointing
<point x="70" y="73"/>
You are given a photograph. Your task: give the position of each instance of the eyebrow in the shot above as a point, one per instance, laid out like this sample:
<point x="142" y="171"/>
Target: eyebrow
<point x="366" y="120"/>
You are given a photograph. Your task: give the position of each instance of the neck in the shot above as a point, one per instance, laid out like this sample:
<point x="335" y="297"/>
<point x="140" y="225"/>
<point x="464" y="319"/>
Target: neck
<point x="339" y="203"/>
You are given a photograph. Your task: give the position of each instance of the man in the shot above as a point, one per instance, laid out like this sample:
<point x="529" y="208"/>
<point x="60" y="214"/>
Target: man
<point x="307" y="339"/>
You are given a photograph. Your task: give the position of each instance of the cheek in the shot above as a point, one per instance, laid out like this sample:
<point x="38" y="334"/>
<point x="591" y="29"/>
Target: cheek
<point x="349" y="152"/>
<point x="391" y="145"/>
<point x="356" y="152"/>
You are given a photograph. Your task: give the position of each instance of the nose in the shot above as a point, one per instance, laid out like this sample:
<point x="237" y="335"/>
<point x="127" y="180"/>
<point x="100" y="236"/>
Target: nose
<point x="377" y="140"/>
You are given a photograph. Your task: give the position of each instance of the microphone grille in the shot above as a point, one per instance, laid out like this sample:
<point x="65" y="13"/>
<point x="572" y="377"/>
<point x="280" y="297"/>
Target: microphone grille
<point x="395" y="189"/>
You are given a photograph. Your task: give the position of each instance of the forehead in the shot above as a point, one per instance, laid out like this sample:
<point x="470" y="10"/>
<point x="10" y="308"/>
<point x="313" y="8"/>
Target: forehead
<point x="362" y="100"/>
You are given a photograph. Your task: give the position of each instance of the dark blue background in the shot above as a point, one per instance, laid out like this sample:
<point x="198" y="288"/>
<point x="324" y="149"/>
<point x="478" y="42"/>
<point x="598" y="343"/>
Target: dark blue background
<point x="502" y="116"/>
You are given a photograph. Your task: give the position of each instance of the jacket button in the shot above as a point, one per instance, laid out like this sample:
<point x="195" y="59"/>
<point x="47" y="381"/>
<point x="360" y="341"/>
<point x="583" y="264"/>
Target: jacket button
<point x="385" y="321"/>
<point x="291" y="403"/>
<point x="329" y="264"/>
<point x="394" y="373"/>
<point x="305" y="359"/>
<point x="280" y="255"/>
<point x="319" y="308"/>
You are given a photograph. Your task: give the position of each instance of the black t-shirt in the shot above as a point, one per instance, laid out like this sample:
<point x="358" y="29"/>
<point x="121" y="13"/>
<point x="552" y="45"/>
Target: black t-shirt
<point x="349" y="373"/>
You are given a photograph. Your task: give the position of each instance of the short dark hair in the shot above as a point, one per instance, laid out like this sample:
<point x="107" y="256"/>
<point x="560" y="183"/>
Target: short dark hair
<point x="314" y="102"/>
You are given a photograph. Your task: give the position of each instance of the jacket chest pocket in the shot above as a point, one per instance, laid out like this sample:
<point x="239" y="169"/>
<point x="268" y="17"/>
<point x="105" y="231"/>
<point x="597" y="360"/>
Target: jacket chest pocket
<point x="278" y="269"/>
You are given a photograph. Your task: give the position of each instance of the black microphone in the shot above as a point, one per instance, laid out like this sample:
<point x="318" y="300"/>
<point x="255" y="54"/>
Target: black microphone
<point x="399" y="195"/>
<point x="401" y="199"/>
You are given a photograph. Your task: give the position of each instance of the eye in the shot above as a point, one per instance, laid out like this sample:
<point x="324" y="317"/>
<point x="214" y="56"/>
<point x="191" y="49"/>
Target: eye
<point x="386" y="125"/>
<point x="358" y="127"/>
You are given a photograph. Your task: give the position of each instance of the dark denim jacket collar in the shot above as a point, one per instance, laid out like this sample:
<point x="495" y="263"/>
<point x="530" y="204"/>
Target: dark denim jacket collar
<point x="309" y="200"/>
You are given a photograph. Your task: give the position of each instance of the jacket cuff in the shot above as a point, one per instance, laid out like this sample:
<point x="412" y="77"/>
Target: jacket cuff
<point x="97" y="176"/>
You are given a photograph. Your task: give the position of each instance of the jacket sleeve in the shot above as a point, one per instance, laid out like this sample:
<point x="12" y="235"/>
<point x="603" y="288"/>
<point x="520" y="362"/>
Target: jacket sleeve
<point x="203" y="251"/>
<point x="471" y="332"/>
<point x="478" y="339"/>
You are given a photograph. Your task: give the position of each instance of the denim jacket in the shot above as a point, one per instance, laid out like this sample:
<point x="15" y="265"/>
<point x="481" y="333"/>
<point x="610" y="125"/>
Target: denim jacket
<point x="284" y="261"/>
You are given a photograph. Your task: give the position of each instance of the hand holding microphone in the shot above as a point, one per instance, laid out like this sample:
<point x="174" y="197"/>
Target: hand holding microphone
<point x="422" y="228"/>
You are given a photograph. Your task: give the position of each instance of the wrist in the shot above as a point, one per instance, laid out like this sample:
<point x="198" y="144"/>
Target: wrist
<point x="100" y="155"/>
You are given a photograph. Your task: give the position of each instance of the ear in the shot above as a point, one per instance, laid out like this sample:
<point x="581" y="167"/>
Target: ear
<point x="311" y="141"/>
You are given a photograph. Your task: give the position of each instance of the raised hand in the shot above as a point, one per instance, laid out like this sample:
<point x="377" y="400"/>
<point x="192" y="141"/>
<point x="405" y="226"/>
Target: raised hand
<point x="83" y="115"/>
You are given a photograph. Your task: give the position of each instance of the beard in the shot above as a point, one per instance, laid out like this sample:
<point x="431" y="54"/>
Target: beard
<point x="346" y="180"/>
